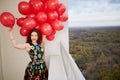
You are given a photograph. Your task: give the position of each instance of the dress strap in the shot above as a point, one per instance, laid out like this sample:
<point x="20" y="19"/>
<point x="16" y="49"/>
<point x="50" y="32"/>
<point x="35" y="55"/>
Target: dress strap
<point x="31" y="43"/>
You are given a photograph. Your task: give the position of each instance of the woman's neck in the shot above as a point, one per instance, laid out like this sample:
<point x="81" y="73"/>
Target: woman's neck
<point x="35" y="43"/>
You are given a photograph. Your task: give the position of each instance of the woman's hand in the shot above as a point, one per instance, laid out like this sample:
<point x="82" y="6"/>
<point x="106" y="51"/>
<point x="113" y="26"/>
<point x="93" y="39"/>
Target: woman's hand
<point x="11" y="33"/>
<point x="10" y="30"/>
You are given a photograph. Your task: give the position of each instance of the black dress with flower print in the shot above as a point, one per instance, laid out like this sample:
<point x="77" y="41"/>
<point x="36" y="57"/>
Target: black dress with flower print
<point x="36" y="69"/>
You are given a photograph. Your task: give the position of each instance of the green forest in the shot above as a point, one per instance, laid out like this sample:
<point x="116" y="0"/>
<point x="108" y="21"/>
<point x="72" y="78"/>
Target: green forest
<point x="96" y="52"/>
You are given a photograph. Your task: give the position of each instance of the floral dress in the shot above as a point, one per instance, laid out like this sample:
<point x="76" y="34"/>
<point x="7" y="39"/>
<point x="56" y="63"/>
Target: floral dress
<point x="36" y="69"/>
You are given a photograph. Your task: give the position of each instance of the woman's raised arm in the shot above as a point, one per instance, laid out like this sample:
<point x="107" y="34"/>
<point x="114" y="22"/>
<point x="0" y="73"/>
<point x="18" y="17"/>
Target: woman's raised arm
<point x="15" y="44"/>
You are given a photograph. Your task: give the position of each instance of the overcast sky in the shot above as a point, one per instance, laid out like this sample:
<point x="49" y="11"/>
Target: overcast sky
<point x="91" y="13"/>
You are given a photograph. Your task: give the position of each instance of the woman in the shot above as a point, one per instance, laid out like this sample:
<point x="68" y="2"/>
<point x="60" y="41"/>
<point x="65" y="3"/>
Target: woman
<point x="36" y="69"/>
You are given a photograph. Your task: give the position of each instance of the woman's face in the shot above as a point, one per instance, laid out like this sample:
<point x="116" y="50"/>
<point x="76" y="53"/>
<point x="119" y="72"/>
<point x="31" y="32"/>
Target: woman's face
<point x="34" y="37"/>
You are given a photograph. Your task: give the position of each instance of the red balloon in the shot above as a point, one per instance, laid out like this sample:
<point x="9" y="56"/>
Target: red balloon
<point x="61" y="9"/>
<point x="46" y="8"/>
<point x="7" y="19"/>
<point x="52" y="4"/>
<point x="52" y="15"/>
<point x="29" y="23"/>
<point x="30" y="16"/>
<point x="53" y="31"/>
<point x="50" y="37"/>
<point x="46" y="29"/>
<point x="57" y="25"/>
<point x="59" y="4"/>
<point x="63" y="17"/>
<point x="41" y="17"/>
<point x="24" y="31"/>
<point x="20" y="21"/>
<point x="36" y="5"/>
<point x="24" y="8"/>
<point x="37" y="27"/>
<point x="44" y="1"/>
<point x="0" y="17"/>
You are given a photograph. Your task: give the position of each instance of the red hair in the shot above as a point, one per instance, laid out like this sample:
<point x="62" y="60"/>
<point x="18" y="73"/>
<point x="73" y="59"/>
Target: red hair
<point x="39" y="41"/>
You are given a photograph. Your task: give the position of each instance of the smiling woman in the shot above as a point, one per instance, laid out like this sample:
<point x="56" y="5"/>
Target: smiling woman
<point x="36" y="69"/>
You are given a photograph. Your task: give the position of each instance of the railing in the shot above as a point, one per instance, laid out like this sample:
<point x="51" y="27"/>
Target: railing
<point x="63" y="67"/>
<point x="56" y="68"/>
<point x="55" y="62"/>
<point x="71" y="69"/>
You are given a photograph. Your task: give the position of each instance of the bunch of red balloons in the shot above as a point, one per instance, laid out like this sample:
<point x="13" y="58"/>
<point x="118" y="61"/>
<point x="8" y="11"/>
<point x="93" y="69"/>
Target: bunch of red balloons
<point x="45" y="15"/>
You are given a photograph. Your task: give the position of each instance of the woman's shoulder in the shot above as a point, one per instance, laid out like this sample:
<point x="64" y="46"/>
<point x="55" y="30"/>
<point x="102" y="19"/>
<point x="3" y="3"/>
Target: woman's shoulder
<point x="27" y="44"/>
<point x="30" y="44"/>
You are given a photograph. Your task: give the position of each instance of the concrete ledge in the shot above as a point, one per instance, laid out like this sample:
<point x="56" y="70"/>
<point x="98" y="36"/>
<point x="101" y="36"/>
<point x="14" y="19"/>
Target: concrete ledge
<point x="56" y="68"/>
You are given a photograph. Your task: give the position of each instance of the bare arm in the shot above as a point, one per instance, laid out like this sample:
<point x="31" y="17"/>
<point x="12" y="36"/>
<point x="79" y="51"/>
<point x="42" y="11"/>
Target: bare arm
<point x="15" y="44"/>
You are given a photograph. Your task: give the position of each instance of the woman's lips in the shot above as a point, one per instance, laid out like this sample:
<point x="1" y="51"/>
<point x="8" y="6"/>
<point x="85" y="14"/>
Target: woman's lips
<point x="33" y="39"/>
